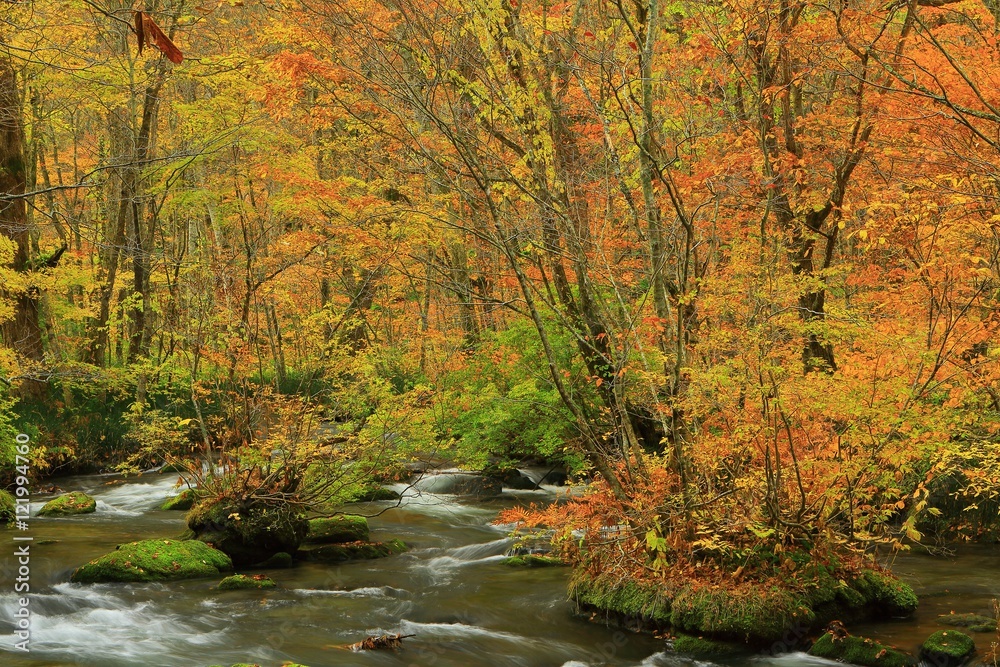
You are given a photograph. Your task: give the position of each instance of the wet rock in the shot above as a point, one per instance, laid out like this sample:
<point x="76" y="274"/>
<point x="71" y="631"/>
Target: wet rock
<point x="238" y="582"/>
<point x="69" y="504"/>
<point x="154" y="560"/>
<point x="331" y="530"/>
<point x="860" y="651"/>
<point x="702" y="648"/>
<point x="340" y="553"/>
<point x="461" y="484"/>
<point x="279" y="561"/>
<point x="947" y="648"/>
<point x="249" y="533"/>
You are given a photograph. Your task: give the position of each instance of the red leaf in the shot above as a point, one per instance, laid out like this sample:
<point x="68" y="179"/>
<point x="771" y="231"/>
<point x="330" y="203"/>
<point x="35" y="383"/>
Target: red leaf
<point x="148" y="32"/>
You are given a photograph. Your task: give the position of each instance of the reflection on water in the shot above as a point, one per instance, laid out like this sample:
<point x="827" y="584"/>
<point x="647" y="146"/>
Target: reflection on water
<point x="449" y="590"/>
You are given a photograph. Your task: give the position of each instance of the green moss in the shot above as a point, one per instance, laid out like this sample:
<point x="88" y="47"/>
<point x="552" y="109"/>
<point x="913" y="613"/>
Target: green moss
<point x="338" y="529"/>
<point x="974" y="622"/>
<point x="532" y="560"/>
<point x="750" y="614"/>
<point x="280" y="560"/>
<point x="699" y="647"/>
<point x="69" y="504"/>
<point x="947" y="648"/>
<point x="370" y="494"/>
<point x="641" y="600"/>
<point x="7" y="507"/>
<point x="860" y="651"/>
<point x="242" y="582"/>
<point x="339" y="553"/>
<point x="182" y="501"/>
<point x="886" y="593"/>
<point x="154" y="560"/>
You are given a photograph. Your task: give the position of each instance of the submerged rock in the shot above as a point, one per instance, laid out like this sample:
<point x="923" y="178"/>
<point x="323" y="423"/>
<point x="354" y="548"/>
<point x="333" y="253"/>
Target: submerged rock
<point x="947" y="648"/>
<point x="69" y="504"/>
<point x="340" y="553"/>
<point x="974" y="622"/>
<point x="184" y="500"/>
<point x="860" y="651"/>
<point x="248" y="534"/>
<point x="242" y="582"/>
<point x="154" y="560"/>
<point x="346" y="528"/>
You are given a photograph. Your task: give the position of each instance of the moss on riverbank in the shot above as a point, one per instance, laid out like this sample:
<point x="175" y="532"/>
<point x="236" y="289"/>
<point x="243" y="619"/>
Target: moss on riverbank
<point x="755" y="613"/>
<point x="183" y="501"/>
<point x="532" y="560"/>
<point x="154" y="560"/>
<point x="7" y="507"/>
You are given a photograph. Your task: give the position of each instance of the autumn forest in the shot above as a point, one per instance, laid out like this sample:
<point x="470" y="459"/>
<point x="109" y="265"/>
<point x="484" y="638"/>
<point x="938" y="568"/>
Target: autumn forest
<point x="734" y="266"/>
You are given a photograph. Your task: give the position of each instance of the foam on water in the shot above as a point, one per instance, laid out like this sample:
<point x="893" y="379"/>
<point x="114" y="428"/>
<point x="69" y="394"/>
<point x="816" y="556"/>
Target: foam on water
<point x="366" y="592"/>
<point x="87" y="623"/>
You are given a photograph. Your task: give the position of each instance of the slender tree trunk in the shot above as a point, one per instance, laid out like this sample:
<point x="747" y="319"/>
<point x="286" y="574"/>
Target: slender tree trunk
<point x="22" y="332"/>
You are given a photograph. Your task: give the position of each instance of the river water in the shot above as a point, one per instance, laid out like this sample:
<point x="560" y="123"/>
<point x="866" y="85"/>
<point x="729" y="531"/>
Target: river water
<point x="450" y="590"/>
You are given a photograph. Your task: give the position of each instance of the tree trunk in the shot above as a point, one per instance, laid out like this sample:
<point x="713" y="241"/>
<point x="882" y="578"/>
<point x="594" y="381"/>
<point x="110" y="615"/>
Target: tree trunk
<point x="22" y="332"/>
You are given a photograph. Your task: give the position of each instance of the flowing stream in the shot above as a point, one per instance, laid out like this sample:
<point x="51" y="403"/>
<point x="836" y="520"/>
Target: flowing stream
<point x="464" y="607"/>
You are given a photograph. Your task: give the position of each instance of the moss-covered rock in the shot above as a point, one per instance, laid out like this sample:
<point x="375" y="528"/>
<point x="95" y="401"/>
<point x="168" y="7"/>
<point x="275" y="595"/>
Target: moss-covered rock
<point x="280" y="560"/>
<point x="7" y="507"/>
<point x="337" y="529"/>
<point x="69" y="504"/>
<point x="532" y="560"/>
<point x="183" y="501"/>
<point x="700" y="647"/>
<point x="154" y="560"/>
<point x="947" y="648"/>
<point x="747" y="613"/>
<point x="249" y="532"/>
<point x="886" y="594"/>
<point x="974" y="622"/>
<point x="239" y="582"/>
<point x="860" y="651"/>
<point x="371" y="494"/>
<point x="636" y="604"/>
<point x="339" y="553"/>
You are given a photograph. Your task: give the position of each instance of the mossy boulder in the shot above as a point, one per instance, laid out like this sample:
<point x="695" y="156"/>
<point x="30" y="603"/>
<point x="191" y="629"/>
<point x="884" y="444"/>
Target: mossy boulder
<point x="860" y="651"/>
<point x="250" y="532"/>
<point x="886" y="594"/>
<point x="183" y="501"/>
<point x="947" y="648"/>
<point x="635" y="604"/>
<point x="974" y="622"/>
<point x="374" y="493"/>
<point x="238" y="582"/>
<point x="338" y="529"/>
<point x="7" y="507"/>
<point x="532" y="560"/>
<point x="154" y="560"/>
<point x="340" y="553"/>
<point x="702" y="648"/>
<point x="69" y="504"/>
